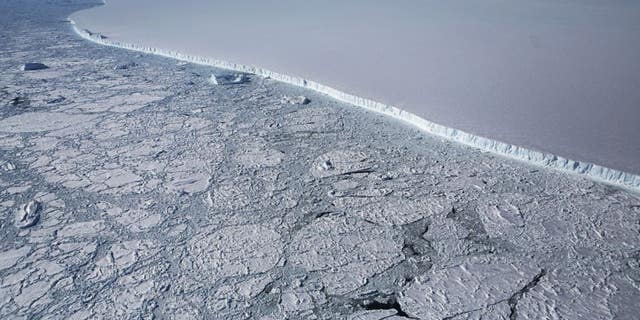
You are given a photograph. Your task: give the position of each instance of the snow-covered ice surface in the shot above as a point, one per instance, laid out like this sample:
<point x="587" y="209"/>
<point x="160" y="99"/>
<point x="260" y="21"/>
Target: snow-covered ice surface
<point x="132" y="187"/>
<point x="559" y="77"/>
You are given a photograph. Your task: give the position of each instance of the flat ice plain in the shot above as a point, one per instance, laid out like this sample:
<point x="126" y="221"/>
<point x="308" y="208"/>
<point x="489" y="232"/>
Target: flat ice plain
<point x="556" y="76"/>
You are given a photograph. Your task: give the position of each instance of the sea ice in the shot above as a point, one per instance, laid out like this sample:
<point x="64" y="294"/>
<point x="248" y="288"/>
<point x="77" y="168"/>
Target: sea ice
<point x="31" y="66"/>
<point x="163" y="196"/>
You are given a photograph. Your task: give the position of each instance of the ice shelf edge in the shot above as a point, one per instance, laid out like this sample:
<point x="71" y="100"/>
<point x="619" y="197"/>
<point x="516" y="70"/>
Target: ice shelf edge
<point x="593" y="171"/>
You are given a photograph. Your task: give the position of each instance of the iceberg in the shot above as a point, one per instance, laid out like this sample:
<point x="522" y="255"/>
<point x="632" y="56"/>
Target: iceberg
<point x="564" y="101"/>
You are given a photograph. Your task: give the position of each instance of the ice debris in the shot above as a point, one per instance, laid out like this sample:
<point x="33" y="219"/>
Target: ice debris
<point x="226" y="79"/>
<point x="28" y="215"/>
<point x="299" y="100"/>
<point x="18" y="101"/>
<point x="125" y="66"/>
<point x="56" y="100"/>
<point x="31" y="66"/>
<point x="8" y="166"/>
<point x="340" y="162"/>
<point x="94" y="34"/>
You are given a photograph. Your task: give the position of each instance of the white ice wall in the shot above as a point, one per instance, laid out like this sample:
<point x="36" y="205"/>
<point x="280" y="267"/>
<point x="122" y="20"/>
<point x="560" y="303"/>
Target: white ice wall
<point x="556" y="76"/>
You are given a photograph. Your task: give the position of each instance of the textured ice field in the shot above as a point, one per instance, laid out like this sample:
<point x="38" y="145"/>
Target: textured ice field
<point x="132" y="187"/>
<point x="556" y="76"/>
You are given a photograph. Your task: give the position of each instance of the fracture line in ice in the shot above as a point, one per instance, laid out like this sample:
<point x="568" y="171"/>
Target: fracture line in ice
<point x="593" y="171"/>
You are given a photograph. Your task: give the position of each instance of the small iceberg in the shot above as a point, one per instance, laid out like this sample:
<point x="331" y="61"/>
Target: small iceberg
<point x="299" y="100"/>
<point x="125" y="66"/>
<point x="227" y="79"/>
<point x="32" y="66"/>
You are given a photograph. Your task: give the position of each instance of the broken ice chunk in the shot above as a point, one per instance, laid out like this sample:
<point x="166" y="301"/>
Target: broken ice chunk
<point x="472" y="285"/>
<point x="234" y="251"/>
<point x="299" y="100"/>
<point x="501" y="220"/>
<point x="31" y="66"/>
<point x="340" y="162"/>
<point x="296" y="301"/>
<point x="28" y="215"/>
<point x="56" y="100"/>
<point x="394" y="211"/>
<point x="8" y="166"/>
<point x="9" y="258"/>
<point x="226" y="79"/>
<point x="81" y="229"/>
<point x="374" y="314"/>
<point x="94" y="35"/>
<point x="125" y="66"/>
<point x="327" y="165"/>
<point x="18" y="101"/>
<point x="345" y="251"/>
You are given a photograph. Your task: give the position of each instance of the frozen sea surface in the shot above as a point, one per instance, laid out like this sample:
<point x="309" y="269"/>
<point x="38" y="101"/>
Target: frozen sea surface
<point x="132" y="187"/>
<point x="556" y="76"/>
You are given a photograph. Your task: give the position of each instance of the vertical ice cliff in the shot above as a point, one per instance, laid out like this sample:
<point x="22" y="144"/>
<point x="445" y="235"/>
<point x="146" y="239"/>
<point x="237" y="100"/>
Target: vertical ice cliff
<point x="548" y="160"/>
